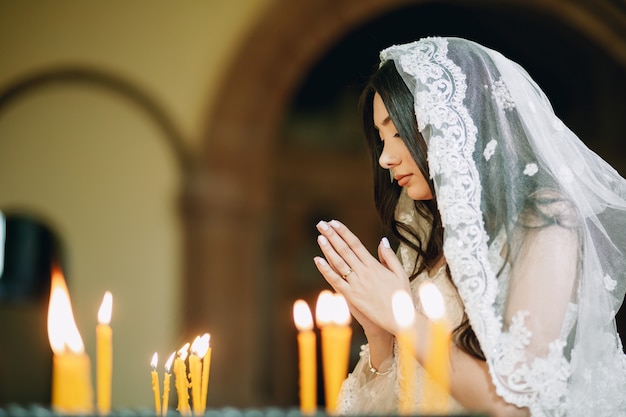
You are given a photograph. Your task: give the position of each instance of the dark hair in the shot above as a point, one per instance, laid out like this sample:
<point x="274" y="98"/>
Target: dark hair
<point x="399" y="102"/>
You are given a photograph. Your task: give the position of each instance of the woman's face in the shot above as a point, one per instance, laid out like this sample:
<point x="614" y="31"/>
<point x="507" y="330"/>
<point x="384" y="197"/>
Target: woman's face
<point x="396" y="156"/>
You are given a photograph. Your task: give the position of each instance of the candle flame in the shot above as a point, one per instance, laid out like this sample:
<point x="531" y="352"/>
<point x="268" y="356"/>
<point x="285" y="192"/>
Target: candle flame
<point x="341" y="312"/>
<point x="182" y="352"/>
<point x="324" y="308"/>
<point x="200" y="345"/>
<point x="155" y="361"/>
<point x="403" y="309"/>
<point x="432" y="301"/>
<point x="194" y="345"/>
<point x="302" y="315"/>
<point x="62" y="330"/>
<point x="207" y="337"/>
<point x="106" y="309"/>
<point x="168" y="363"/>
<point x="205" y="340"/>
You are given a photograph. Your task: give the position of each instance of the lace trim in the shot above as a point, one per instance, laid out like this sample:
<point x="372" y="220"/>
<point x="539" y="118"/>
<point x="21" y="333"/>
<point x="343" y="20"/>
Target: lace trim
<point x="502" y="96"/>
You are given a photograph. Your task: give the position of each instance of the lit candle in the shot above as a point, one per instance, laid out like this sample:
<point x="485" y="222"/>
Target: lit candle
<point x="198" y="350"/>
<point x="195" y="373"/>
<point x="104" y="354"/>
<point x="404" y="314"/>
<point x="166" y="383"/>
<point x="72" y="392"/>
<point x="182" y="383"/>
<point x="437" y="357"/>
<point x="306" y="349"/>
<point x="206" y="368"/>
<point x="333" y="318"/>
<point x="155" y="384"/>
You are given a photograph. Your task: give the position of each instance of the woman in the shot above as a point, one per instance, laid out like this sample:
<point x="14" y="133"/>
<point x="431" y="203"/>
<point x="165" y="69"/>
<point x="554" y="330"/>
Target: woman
<point x="520" y="226"/>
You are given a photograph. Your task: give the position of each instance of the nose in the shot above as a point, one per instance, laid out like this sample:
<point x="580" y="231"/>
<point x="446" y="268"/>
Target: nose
<point x="388" y="159"/>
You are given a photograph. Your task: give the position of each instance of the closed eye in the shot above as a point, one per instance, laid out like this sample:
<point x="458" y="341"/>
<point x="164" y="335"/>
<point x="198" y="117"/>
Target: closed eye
<point x="395" y="135"/>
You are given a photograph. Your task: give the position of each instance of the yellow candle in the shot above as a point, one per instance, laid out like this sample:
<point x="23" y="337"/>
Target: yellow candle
<point x="306" y="349"/>
<point x="437" y="357"/>
<point x="166" y="383"/>
<point x="404" y="314"/>
<point x="156" y="389"/>
<point x="182" y="383"/>
<point x="104" y="354"/>
<point x="72" y="392"/>
<point x="195" y="372"/>
<point x="334" y="320"/>
<point x="206" y="368"/>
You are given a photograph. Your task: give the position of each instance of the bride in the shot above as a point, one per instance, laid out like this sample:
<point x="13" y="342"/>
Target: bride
<point x="500" y="205"/>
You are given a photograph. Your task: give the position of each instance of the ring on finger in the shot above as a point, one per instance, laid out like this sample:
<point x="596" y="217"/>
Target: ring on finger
<point x="347" y="273"/>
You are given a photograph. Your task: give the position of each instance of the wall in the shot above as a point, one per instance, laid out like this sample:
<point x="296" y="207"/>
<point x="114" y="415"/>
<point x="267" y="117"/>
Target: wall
<point x="97" y="170"/>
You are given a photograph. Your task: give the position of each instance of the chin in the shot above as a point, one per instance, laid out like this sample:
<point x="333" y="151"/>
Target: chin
<point x="419" y="195"/>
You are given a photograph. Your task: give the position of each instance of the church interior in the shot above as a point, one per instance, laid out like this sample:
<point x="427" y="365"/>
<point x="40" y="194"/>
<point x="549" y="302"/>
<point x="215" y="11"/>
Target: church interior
<point x="179" y="155"/>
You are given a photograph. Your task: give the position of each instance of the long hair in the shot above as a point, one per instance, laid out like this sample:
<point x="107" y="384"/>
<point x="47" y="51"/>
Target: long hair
<point x="399" y="102"/>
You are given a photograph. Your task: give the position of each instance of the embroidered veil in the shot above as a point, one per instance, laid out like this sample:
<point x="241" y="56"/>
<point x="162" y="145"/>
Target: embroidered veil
<point x="506" y="169"/>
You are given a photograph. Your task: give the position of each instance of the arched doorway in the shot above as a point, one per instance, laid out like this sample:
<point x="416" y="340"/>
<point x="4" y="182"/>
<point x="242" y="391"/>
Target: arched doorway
<point x="252" y="204"/>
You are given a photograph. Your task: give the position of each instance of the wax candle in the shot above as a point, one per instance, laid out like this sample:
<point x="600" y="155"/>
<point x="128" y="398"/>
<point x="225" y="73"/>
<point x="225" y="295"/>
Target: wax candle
<point x="104" y="355"/>
<point x="72" y="392"/>
<point x="156" y="389"/>
<point x="195" y="373"/>
<point x="323" y="318"/>
<point x="437" y="356"/>
<point x="166" y="384"/>
<point x="334" y="320"/>
<point x="206" y="368"/>
<point x="182" y="383"/>
<point x="404" y="314"/>
<point x="307" y="364"/>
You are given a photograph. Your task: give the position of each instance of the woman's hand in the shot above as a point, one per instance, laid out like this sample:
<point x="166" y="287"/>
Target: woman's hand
<point x="366" y="283"/>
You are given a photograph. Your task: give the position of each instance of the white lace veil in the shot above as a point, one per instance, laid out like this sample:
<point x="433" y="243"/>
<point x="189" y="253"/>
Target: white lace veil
<point x="534" y="228"/>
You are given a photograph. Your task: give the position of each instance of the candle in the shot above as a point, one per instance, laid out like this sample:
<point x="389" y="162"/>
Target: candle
<point x="198" y="350"/>
<point x="155" y="384"/>
<point x="72" y="392"/>
<point x="104" y="354"/>
<point x="307" y="364"/>
<point x="333" y="318"/>
<point x="437" y="356"/>
<point x="206" y="368"/>
<point x="404" y="314"/>
<point x="166" y="383"/>
<point x="195" y="373"/>
<point x="182" y="383"/>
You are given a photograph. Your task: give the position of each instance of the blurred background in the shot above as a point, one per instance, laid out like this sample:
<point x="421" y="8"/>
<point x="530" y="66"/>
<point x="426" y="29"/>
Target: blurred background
<point x="179" y="155"/>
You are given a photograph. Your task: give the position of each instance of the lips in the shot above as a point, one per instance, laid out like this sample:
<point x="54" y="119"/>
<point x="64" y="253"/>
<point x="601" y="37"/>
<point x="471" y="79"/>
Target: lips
<point x="402" y="179"/>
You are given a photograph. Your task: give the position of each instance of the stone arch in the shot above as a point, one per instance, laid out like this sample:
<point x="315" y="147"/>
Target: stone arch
<point x="228" y="198"/>
<point x="95" y="78"/>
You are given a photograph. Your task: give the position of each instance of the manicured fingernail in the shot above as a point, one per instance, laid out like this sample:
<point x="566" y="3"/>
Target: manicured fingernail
<point x="323" y="225"/>
<point x="322" y="240"/>
<point x="386" y="243"/>
<point x="335" y="224"/>
<point x="320" y="261"/>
